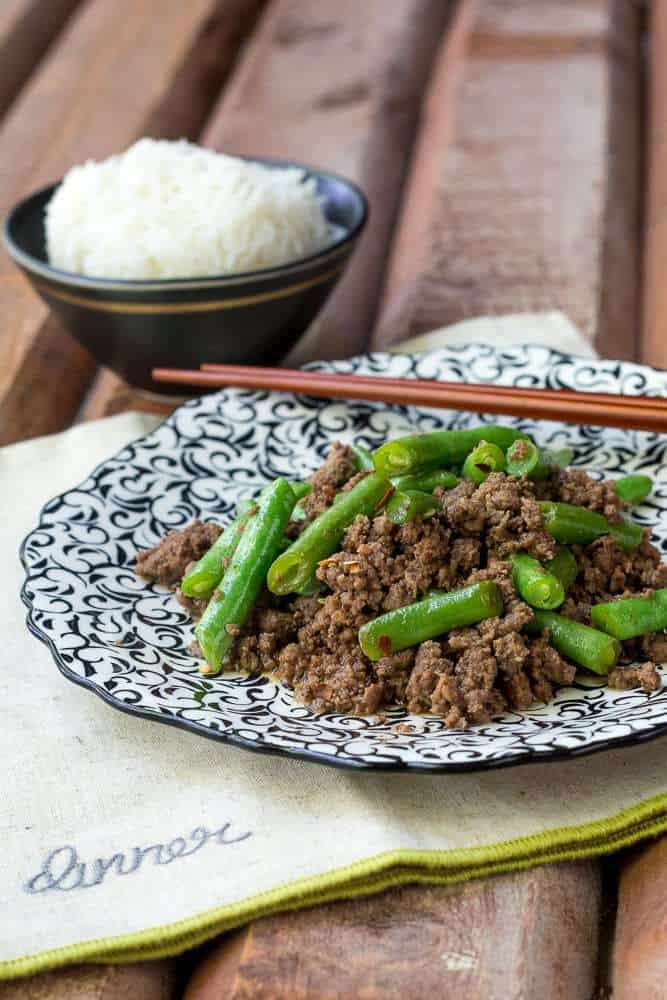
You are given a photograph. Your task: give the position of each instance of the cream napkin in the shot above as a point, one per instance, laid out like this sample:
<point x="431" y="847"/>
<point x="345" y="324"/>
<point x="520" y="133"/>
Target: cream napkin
<point x="123" y="838"/>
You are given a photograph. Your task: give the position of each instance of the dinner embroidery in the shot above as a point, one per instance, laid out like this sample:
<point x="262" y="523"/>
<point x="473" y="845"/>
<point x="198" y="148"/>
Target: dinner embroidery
<point x="64" y="870"/>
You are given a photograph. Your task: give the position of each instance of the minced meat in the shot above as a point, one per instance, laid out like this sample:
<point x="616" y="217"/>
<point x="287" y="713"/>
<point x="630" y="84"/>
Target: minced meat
<point x="168" y="561"/>
<point x="470" y="674"/>
<point x="644" y="675"/>
<point x="336" y="470"/>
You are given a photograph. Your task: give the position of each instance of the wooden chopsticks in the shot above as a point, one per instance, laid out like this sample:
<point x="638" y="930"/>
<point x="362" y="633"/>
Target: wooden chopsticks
<point x="603" y="409"/>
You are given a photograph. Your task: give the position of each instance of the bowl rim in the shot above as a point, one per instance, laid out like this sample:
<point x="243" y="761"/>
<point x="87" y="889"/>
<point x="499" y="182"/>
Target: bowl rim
<point x="337" y="248"/>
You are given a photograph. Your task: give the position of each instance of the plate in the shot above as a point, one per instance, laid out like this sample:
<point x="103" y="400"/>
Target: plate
<point x="127" y="640"/>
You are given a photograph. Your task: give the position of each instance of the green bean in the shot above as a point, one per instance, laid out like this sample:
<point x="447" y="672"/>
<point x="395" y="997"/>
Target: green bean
<point x="535" y="584"/>
<point x="418" y="452"/>
<point x="231" y="604"/>
<point x="584" y="645"/>
<point x="437" y="613"/>
<point x="570" y="524"/>
<point x="362" y="458"/>
<point x="482" y="461"/>
<point x="578" y="525"/>
<point x="564" y="567"/>
<point x="629" y="617"/>
<point x="560" y="457"/>
<point x="301" y="489"/>
<point x="525" y="459"/>
<point x="628" y="535"/>
<point x="311" y="587"/>
<point x="321" y="537"/>
<point x="427" y="481"/>
<point x="208" y="571"/>
<point x="633" y="489"/>
<point x="406" y="505"/>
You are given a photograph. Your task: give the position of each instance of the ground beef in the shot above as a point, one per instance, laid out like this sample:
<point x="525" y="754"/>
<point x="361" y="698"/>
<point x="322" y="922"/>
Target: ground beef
<point x="503" y="513"/>
<point x="578" y="488"/>
<point x="646" y="647"/>
<point x="337" y="469"/>
<point x="607" y="572"/>
<point x="470" y="674"/>
<point x="167" y="561"/>
<point x="645" y="676"/>
<point x="195" y="606"/>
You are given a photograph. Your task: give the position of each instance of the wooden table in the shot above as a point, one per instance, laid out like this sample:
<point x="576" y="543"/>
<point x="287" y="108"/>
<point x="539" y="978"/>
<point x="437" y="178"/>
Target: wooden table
<point x="504" y="146"/>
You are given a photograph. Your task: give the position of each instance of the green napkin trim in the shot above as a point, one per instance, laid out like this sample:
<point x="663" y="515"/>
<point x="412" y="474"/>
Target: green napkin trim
<point x="391" y="868"/>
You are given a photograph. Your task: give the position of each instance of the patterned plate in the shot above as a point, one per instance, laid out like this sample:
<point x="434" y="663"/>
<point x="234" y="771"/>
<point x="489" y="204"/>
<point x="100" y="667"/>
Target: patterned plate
<point x="128" y="640"/>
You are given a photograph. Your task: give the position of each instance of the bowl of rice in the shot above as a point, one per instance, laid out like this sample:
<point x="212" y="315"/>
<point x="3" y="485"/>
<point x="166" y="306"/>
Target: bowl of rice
<point x="171" y="255"/>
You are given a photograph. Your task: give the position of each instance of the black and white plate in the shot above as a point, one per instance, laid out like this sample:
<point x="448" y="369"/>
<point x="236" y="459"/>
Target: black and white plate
<point x="128" y="640"/>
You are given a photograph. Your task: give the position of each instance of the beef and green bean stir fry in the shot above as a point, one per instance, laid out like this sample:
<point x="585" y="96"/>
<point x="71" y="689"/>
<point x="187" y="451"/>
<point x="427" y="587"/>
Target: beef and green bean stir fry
<point x="461" y="573"/>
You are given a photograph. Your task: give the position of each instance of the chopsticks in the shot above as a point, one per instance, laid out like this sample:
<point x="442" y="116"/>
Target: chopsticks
<point x="602" y="409"/>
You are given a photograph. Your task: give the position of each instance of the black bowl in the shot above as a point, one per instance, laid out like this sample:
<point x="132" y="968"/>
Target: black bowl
<point x="251" y="318"/>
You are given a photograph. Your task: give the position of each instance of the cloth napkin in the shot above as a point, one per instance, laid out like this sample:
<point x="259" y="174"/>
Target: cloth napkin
<point x="123" y="839"/>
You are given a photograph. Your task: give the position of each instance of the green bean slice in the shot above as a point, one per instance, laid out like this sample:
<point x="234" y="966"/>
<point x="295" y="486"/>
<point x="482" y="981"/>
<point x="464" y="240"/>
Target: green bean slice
<point x="406" y="505"/>
<point x="231" y="604"/>
<point x="437" y="613"/>
<point x="362" y="458"/>
<point x="418" y="452"/>
<point x="536" y="585"/>
<point x="427" y="481"/>
<point x="629" y="617"/>
<point x="582" y="644"/>
<point x="563" y="566"/>
<point x="525" y="459"/>
<point x="578" y="525"/>
<point x="206" y="574"/>
<point x="633" y="489"/>
<point x="321" y="537"/>
<point x="482" y="461"/>
<point x="301" y="489"/>
<point x="560" y="457"/>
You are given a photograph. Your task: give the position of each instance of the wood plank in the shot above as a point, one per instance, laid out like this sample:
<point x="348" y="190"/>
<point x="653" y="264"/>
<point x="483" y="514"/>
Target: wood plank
<point x="654" y="342"/>
<point x="27" y="28"/>
<point x="145" y="980"/>
<point x="516" y="936"/>
<point x="109" y="395"/>
<point x="339" y="86"/>
<point x="521" y="195"/>
<point x="639" y="957"/>
<point x="639" y="965"/>
<point x="117" y="71"/>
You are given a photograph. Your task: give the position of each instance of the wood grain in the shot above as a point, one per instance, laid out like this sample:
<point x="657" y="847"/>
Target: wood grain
<point x="137" y="981"/>
<point x="517" y="936"/>
<point x="116" y="71"/>
<point x="27" y="28"/>
<point x="109" y="395"/>
<point x="182" y="114"/>
<point x="337" y="85"/>
<point x="654" y="340"/>
<point x="640" y="946"/>
<point x="521" y="196"/>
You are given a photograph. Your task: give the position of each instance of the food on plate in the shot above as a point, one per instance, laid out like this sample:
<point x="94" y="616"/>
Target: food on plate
<point x="175" y="210"/>
<point x="535" y="583"/>
<point x="580" y="643"/>
<point x="459" y="573"/>
<point x="632" y="616"/>
<point x="242" y="581"/>
<point x="633" y="489"/>
<point x="439" y="612"/>
<point x="294" y="568"/>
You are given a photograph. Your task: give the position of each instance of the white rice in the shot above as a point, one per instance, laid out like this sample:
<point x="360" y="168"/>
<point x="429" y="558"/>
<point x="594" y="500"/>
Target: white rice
<point x="174" y="210"/>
